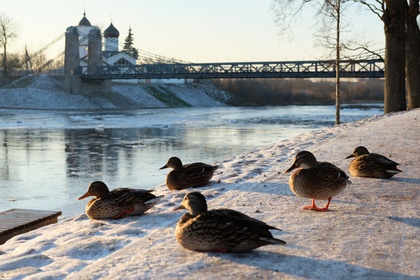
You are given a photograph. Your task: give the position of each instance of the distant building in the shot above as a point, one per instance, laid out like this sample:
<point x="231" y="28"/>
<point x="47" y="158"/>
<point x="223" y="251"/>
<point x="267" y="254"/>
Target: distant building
<point x="111" y="55"/>
<point x="84" y="27"/>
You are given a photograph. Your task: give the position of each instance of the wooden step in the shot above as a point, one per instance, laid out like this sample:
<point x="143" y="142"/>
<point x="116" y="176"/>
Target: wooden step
<point x="18" y="221"/>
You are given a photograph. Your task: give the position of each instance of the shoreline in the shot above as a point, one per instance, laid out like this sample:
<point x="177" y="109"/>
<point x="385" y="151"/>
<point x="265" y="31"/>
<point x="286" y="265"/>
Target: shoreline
<point x="371" y="230"/>
<point x="45" y="92"/>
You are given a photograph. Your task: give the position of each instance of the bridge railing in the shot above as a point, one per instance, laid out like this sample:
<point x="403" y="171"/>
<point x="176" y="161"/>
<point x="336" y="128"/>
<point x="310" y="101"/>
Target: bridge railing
<point x="373" y="68"/>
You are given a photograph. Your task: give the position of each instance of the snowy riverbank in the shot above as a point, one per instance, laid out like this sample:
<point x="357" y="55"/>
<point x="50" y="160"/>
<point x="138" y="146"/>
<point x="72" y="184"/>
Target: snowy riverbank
<point x="45" y="92"/>
<point x="371" y="231"/>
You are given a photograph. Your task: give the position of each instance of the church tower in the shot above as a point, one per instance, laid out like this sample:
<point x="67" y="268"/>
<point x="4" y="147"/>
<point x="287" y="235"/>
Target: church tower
<point x="111" y="35"/>
<point x="84" y="28"/>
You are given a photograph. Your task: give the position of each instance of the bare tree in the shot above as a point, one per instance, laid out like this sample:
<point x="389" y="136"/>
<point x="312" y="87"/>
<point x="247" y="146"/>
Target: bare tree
<point x="7" y="32"/>
<point x="413" y="55"/>
<point x="286" y="12"/>
<point x="14" y="62"/>
<point x="394" y="17"/>
<point x="402" y="45"/>
<point x="393" y="14"/>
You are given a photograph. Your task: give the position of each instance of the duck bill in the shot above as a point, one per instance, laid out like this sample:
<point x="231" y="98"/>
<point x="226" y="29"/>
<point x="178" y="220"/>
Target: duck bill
<point x="163" y="167"/>
<point x="178" y="208"/>
<point x="84" y="196"/>
<point x="290" y="169"/>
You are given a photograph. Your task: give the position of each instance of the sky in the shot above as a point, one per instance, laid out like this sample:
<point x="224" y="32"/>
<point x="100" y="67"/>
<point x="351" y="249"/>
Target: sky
<point x="190" y="30"/>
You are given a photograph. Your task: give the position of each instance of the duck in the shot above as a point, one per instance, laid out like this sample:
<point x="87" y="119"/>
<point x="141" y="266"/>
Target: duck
<point x="118" y="203"/>
<point x="220" y="230"/>
<point x="371" y="165"/>
<point x="316" y="180"/>
<point x="189" y="175"/>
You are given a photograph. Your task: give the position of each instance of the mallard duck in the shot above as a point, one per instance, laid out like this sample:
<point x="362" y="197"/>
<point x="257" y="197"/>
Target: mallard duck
<point x="371" y="165"/>
<point x="316" y="180"/>
<point x="221" y="230"/>
<point x="117" y="203"/>
<point x="189" y="175"/>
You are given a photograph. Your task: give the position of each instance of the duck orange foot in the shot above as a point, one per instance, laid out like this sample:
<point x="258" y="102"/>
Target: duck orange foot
<point x="316" y="208"/>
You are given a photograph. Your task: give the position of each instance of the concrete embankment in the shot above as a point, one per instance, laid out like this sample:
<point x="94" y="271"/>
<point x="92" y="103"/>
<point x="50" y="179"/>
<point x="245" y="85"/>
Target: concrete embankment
<point x="46" y="92"/>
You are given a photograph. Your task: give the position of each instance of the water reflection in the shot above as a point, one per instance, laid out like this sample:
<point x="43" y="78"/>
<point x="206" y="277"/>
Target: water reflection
<point x="48" y="165"/>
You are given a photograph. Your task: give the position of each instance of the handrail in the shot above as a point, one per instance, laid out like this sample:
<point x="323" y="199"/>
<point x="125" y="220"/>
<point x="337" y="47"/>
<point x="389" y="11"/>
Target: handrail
<point x="365" y="68"/>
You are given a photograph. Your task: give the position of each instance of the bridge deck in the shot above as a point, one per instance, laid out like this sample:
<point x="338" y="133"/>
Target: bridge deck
<point x="288" y="69"/>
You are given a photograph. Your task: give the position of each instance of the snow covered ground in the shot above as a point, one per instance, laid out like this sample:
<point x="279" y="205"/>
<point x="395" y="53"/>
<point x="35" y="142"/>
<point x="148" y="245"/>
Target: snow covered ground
<point x="371" y="231"/>
<point x="44" y="92"/>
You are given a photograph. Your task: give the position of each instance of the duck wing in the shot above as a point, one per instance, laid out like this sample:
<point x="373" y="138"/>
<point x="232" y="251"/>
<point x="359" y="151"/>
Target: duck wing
<point x="227" y="230"/>
<point x="383" y="161"/>
<point x="331" y="172"/>
<point x="195" y="174"/>
<point x="239" y="219"/>
<point x="199" y="168"/>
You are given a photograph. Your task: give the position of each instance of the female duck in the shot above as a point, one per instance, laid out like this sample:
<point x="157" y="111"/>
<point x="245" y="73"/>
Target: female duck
<point x="221" y="230"/>
<point x="371" y="165"/>
<point x="117" y="203"/>
<point x="189" y="175"/>
<point x="316" y="180"/>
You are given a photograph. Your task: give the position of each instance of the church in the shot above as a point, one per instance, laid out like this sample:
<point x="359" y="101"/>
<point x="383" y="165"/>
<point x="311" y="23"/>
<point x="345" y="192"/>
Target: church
<point x="111" y="55"/>
<point x="107" y="54"/>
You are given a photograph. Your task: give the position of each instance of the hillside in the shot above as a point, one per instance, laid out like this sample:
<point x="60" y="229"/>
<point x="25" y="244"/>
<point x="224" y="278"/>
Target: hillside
<point x="45" y="92"/>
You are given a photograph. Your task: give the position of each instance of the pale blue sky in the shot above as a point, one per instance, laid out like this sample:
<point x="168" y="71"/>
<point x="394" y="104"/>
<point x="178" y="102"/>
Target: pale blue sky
<point x="190" y="30"/>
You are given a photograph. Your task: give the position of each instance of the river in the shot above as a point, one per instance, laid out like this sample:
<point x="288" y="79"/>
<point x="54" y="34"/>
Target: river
<point x="49" y="157"/>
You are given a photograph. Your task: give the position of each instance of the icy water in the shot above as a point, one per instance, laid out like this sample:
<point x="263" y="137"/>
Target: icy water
<point x="48" y="158"/>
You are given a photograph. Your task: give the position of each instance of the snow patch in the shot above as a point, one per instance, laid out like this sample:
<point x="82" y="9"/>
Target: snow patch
<point x="45" y="92"/>
<point x="370" y="232"/>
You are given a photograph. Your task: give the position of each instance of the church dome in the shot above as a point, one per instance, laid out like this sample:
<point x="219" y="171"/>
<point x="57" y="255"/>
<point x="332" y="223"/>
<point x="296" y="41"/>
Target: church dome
<point x="111" y="32"/>
<point x="84" y="21"/>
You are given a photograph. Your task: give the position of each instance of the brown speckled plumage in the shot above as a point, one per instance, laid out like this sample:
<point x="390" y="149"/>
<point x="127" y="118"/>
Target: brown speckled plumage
<point x="117" y="203"/>
<point x="221" y="230"/>
<point x="189" y="175"/>
<point x="371" y="165"/>
<point x="316" y="180"/>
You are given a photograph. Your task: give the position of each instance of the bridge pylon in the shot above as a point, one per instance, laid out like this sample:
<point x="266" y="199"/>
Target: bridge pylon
<point x="72" y="63"/>
<point x="72" y="79"/>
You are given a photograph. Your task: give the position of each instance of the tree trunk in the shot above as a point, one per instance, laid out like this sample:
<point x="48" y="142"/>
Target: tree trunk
<point x="337" y="65"/>
<point x="5" y="66"/>
<point x="394" y="18"/>
<point x="412" y="56"/>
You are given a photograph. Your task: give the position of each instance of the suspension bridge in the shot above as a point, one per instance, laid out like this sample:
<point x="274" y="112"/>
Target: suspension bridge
<point x="373" y="68"/>
<point x="152" y="66"/>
